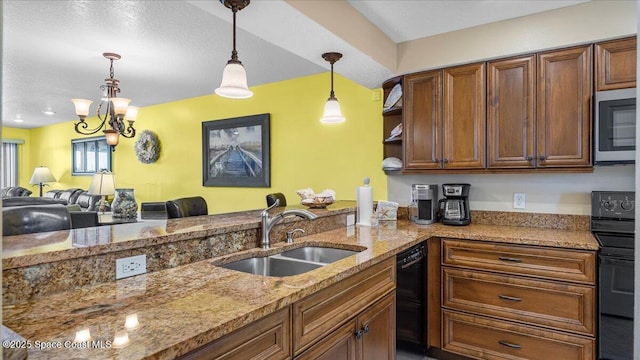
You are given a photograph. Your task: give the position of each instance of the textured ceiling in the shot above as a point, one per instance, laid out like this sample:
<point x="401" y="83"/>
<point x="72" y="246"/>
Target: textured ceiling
<point x="171" y="50"/>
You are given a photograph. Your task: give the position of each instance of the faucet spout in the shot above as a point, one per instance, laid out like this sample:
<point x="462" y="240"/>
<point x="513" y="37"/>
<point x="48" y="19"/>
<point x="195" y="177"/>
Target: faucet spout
<point x="268" y="223"/>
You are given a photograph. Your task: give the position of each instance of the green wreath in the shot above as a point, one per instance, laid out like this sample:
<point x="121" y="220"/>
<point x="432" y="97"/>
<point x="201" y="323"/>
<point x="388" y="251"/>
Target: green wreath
<point x="147" y="147"/>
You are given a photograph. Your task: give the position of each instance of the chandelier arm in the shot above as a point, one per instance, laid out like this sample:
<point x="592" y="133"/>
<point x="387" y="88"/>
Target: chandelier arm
<point x="82" y="126"/>
<point x="129" y="132"/>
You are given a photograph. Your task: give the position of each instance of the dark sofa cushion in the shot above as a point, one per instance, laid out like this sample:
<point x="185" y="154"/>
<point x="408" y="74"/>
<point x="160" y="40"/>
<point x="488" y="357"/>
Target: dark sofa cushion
<point x="70" y="195"/>
<point x="24" y="201"/>
<point x="29" y="219"/>
<point x="54" y="194"/>
<point x="13" y="191"/>
<point x="87" y="202"/>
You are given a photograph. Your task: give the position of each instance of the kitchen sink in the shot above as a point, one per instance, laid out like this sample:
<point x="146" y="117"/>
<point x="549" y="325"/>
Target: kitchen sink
<point x="271" y="266"/>
<point x="318" y="254"/>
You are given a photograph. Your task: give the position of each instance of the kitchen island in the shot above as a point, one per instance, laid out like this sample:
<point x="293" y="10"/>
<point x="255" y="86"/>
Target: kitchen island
<point x="182" y="308"/>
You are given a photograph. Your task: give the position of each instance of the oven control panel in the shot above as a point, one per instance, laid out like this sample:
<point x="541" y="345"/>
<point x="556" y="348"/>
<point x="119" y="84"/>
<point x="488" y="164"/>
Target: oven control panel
<point x="613" y="204"/>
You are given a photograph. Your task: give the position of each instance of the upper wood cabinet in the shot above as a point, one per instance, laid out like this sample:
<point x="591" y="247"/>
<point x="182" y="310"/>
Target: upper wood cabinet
<point x="564" y="107"/>
<point x="423" y="120"/>
<point x="616" y="64"/>
<point x="464" y="117"/>
<point x="511" y="112"/>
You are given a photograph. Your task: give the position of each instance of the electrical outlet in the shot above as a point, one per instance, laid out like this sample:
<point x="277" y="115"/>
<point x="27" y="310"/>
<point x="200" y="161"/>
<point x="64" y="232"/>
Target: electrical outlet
<point x="351" y="220"/>
<point x="519" y="200"/>
<point x="130" y="266"/>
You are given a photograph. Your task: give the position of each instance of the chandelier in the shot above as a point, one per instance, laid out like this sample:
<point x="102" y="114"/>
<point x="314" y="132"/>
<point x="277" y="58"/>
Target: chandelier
<point x="116" y="111"/>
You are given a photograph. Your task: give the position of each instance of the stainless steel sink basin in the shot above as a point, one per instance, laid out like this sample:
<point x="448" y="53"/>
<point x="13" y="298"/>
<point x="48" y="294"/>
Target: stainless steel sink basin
<point x="318" y="254"/>
<point x="271" y="266"/>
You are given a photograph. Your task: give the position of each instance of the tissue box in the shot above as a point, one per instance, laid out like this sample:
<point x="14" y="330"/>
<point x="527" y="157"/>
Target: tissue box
<point x="387" y="211"/>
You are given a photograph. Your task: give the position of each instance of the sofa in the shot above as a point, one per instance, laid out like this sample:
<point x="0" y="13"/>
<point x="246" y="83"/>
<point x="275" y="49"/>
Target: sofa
<point x="75" y="196"/>
<point x="15" y="191"/>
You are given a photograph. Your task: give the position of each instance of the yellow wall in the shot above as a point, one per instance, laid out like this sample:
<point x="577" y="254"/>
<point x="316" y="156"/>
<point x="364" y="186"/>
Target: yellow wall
<point x="304" y="152"/>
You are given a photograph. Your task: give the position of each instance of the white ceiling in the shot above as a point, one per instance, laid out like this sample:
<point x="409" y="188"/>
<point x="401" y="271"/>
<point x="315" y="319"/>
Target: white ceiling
<point x="171" y="50"/>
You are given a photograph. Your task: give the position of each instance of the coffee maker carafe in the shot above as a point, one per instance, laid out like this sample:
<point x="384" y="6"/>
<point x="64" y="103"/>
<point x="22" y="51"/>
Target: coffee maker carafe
<point x="454" y="208"/>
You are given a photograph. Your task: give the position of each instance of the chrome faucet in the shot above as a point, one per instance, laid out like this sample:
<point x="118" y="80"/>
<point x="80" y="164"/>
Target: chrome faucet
<point x="268" y="223"/>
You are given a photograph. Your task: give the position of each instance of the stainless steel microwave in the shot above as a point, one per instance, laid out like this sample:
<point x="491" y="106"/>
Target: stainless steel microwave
<point x="615" y="127"/>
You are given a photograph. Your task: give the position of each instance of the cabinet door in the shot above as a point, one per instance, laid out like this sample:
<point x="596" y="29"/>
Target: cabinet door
<point x="339" y="345"/>
<point x="616" y="64"/>
<point x="423" y="120"/>
<point x="564" y="108"/>
<point x="464" y="99"/>
<point x="511" y="112"/>
<point x="377" y="323"/>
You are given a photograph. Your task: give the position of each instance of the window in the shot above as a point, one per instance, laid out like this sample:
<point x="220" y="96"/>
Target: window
<point x="10" y="162"/>
<point x="90" y="155"/>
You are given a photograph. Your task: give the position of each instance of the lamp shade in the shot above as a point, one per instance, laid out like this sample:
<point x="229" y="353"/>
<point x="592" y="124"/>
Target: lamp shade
<point x="41" y="174"/>
<point x="234" y="82"/>
<point x="82" y="106"/>
<point x="102" y="183"/>
<point x="332" y="113"/>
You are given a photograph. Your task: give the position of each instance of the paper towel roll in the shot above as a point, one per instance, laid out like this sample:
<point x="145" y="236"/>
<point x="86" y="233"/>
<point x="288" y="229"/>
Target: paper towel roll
<point x="364" y="200"/>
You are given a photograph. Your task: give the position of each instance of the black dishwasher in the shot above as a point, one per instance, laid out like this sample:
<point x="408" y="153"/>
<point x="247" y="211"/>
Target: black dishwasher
<point x="411" y="299"/>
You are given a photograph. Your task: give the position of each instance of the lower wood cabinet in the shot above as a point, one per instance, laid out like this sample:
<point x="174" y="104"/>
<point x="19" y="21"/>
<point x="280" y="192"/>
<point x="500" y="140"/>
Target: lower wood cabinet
<point x="504" y="301"/>
<point x="369" y="336"/>
<point x="484" y="338"/>
<point x="267" y="338"/>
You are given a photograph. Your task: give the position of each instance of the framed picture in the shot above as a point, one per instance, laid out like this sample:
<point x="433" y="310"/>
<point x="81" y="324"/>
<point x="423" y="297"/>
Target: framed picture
<point x="235" y="152"/>
<point x="90" y="155"/>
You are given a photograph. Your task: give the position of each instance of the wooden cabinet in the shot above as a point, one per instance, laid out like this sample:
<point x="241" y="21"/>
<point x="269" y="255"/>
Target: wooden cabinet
<point x="616" y="64"/>
<point x="267" y="338"/>
<point x="464" y="119"/>
<point x="365" y="337"/>
<point x="511" y="112"/>
<point x="564" y="108"/>
<point x="391" y="118"/>
<point x="517" y="301"/>
<point x="423" y="120"/>
<point x="444" y="119"/>
<point x="320" y="314"/>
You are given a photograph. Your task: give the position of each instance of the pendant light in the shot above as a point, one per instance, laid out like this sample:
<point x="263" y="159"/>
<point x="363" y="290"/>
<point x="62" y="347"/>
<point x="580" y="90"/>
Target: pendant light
<point x="234" y="77"/>
<point x="332" y="113"/>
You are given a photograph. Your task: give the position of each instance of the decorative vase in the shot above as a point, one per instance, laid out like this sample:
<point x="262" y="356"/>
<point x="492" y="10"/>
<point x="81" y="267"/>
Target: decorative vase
<point x="124" y="204"/>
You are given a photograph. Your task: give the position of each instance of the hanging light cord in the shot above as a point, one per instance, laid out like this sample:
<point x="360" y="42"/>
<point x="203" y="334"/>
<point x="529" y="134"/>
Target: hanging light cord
<point x="234" y="53"/>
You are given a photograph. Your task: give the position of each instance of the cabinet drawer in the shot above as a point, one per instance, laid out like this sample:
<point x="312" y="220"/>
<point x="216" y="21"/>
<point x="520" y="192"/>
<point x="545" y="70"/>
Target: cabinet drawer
<point x="481" y="338"/>
<point x="267" y="338"/>
<point x="556" y="264"/>
<point x="561" y="306"/>
<point x="319" y="314"/>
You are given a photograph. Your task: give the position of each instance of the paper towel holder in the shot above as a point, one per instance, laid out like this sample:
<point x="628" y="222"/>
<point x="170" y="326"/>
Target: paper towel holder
<point x="364" y="203"/>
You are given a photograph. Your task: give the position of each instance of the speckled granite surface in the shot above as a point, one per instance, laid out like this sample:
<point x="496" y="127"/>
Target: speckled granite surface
<point x="38" y="265"/>
<point x="183" y="308"/>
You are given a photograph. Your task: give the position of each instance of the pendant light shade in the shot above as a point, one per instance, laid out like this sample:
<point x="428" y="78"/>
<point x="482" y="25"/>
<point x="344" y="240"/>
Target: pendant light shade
<point x="234" y="82"/>
<point x="234" y="78"/>
<point x="332" y="112"/>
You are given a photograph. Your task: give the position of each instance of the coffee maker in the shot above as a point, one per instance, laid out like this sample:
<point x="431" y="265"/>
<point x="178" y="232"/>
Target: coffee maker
<point x="424" y="204"/>
<point x="454" y="208"/>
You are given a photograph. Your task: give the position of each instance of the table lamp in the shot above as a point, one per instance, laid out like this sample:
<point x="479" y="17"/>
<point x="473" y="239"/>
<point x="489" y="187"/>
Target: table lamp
<point x="103" y="183"/>
<point x="41" y="175"/>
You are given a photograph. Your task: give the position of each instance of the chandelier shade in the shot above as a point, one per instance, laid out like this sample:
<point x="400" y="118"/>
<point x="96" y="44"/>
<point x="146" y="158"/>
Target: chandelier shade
<point x="112" y="111"/>
<point x="332" y="113"/>
<point x="234" y="77"/>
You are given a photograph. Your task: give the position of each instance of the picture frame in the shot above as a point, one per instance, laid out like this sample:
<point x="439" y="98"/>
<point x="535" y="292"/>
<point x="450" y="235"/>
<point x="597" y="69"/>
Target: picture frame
<point x="236" y="152"/>
<point x="90" y="155"/>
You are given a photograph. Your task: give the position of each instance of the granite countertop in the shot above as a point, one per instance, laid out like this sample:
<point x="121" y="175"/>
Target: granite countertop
<point x="183" y="308"/>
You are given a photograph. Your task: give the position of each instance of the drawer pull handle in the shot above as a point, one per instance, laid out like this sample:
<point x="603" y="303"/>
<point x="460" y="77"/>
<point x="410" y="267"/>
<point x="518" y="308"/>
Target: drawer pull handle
<point x="510" y="259"/>
<point x="512" y="298"/>
<point x="510" y="345"/>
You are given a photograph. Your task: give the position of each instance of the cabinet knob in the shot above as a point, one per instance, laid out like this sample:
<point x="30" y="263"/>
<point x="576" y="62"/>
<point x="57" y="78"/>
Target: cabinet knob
<point x="529" y="158"/>
<point x="365" y="329"/>
<point x="446" y="161"/>
<point x="542" y="158"/>
<point x="358" y="334"/>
